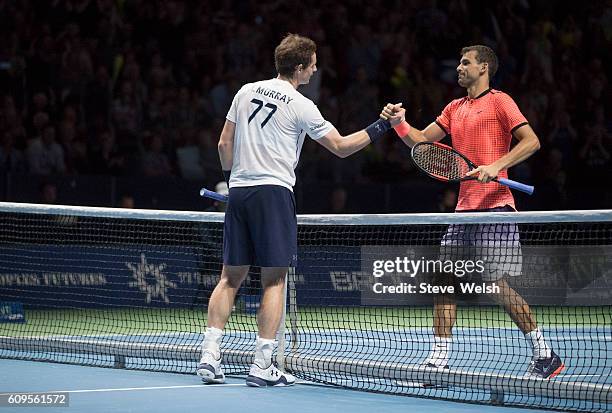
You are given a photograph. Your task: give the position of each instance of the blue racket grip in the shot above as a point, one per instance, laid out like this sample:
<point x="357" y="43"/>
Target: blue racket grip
<point x="528" y="189"/>
<point x="213" y="195"/>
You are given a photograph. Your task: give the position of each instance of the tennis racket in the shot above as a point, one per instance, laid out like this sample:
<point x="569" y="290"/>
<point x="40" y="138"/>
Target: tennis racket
<point x="444" y="163"/>
<point x="213" y="195"/>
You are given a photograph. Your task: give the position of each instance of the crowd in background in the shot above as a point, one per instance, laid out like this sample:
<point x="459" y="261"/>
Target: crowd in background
<point x="142" y="87"/>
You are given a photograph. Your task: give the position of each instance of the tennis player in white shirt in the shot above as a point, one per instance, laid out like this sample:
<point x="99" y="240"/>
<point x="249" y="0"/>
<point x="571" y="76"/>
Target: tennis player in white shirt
<point x="259" y="149"/>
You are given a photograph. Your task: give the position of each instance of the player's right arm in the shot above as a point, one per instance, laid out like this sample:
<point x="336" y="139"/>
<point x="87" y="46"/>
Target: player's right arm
<point x="226" y="146"/>
<point x="396" y="114"/>
<point x="226" y="140"/>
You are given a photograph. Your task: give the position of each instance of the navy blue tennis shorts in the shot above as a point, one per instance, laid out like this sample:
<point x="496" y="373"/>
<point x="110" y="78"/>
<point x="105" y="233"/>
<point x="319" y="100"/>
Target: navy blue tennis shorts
<point x="260" y="227"/>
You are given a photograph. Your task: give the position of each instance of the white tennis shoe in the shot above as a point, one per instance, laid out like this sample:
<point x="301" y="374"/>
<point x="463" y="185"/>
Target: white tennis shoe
<point x="209" y="369"/>
<point x="271" y="376"/>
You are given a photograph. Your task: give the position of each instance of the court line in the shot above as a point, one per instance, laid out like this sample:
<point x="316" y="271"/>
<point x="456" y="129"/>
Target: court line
<point x="133" y="388"/>
<point x="202" y="386"/>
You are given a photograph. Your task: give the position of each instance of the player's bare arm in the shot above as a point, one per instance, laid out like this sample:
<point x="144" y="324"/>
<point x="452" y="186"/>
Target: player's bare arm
<point x="226" y="145"/>
<point x="343" y="146"/>
<point x="396" y="114"/>
<point x="527" y="146"/>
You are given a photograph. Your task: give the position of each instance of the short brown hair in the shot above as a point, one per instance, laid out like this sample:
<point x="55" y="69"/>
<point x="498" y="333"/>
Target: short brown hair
<point x="484" y="54"/>
<point x="292" y="51"/>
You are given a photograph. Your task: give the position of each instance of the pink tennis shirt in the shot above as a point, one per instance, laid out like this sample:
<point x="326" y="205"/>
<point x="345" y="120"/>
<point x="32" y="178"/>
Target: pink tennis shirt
<point x="481" y="129"/>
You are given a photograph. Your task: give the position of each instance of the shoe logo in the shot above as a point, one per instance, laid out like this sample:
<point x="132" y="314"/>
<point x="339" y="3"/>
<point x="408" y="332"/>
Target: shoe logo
<point x="274" y="373"/>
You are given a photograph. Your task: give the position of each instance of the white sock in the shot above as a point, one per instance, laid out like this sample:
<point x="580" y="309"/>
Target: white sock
<point x="540" y="348"/>
<point x="263" y="352"/>
<point x="440" y="351"/>
<point x="212" y="341"/>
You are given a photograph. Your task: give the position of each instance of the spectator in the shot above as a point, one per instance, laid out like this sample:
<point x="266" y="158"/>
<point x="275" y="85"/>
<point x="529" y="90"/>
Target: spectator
<point x="562" y="135"/>
<point x="11" y="159"/>
<point x="126" y="201"/>
<point x="154" y="161"/>
<point x="594" y="155"/>
<point x="45" y="156"/>
<point x="39" y="122"/>
<point x="98" y="96"/>
<point x="448" y="200"/>
<point x="172" y="67"/>
<point x="48" y="193"/>
<point x="106" y="159"/>
<point x="188" y="155"/>
<point x="208" y="155"/>
<point x="337" y="201"/>
<point x="126" y="110"/>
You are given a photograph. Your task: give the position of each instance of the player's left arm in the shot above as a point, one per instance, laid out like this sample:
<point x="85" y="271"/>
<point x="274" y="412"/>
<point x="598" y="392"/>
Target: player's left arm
<point x="327" y="135"/>
<point x="528" y="144"/>
<point x="511" y="119"/>
<point x="343" y="146"/>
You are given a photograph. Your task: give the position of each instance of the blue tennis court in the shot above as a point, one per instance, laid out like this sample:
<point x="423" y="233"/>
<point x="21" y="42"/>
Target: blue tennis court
<point x="101" y="390"/>
<point x="378" y="347"/>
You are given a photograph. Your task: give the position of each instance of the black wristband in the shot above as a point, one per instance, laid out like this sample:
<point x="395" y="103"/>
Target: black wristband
<point x="226" y="175"/>
<point x="378" y="129"/>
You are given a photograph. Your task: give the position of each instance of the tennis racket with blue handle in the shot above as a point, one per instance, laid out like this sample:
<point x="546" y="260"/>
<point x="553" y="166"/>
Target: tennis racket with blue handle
<point x="444" y="163"/>
<point x="213" y="195"/>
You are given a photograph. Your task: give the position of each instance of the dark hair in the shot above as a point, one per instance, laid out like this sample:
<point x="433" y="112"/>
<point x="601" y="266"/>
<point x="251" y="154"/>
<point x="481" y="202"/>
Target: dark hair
<point x="484" y="54"/>
<point x="292" y="51"/>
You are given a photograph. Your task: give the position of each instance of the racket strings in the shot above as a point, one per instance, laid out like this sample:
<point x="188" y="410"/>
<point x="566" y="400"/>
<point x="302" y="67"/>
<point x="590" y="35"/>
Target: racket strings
<point x="440" y="162"/>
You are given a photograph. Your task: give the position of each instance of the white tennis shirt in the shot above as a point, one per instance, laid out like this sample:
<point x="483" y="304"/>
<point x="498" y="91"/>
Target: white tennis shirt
<point x="272" y="119"/>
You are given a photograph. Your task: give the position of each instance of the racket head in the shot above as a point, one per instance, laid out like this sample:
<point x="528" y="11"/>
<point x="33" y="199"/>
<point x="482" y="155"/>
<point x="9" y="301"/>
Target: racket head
<point x="441" y="162"/>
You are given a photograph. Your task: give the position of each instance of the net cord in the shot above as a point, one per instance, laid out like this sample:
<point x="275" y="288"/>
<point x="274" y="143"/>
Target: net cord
<point x="601" y="215"/>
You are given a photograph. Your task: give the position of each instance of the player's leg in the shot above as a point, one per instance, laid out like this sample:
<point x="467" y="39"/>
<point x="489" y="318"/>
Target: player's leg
<point x="502" y="255"/>
<point x="445" y="315"/>
<point x="516" y="307"/>
<point x="263" y="372"/>
<point x="222" y="299"/>
<point x="445" y="308"/>
<point x="273" y="228"/>
<point x="237" y="256"/>
<point x="219" y="309"/>
<point x="545" y="362"/>
<point x="271" y="308"/>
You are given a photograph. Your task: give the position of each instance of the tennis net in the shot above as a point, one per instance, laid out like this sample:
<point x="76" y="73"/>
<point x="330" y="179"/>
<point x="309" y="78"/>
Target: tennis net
<point x="129" y="289"/>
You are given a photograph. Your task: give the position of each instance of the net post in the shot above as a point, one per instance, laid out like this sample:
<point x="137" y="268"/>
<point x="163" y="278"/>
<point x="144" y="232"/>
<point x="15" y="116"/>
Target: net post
<point x="280" y="335"/>
<point x="293" y="310"/>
